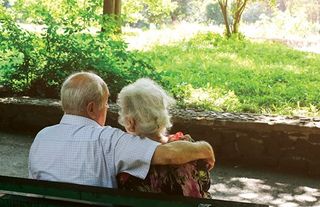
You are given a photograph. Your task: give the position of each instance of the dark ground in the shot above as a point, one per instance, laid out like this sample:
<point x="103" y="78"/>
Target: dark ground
<point x="228" y="182"/>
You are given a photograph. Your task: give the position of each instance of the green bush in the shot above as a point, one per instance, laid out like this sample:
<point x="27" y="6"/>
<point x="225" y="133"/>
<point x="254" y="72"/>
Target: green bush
<point x="37" y="63"/>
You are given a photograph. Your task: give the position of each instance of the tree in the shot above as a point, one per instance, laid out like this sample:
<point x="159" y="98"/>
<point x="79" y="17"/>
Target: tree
<point x="236" y="9"/>
<point x="213" y="13"/>
<point x="224" y="9"/>
<point x="309" y="7"/>
<point x="112" y="7"/>
<point x="282" y="5"/>
<point x="148" y="11"/>
<point x="188" y="10"/>
<point x="5" y="3"/>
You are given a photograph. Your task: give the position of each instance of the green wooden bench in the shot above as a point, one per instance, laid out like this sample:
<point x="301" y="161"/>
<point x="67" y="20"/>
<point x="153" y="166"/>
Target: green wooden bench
<point x="27" y="192"/>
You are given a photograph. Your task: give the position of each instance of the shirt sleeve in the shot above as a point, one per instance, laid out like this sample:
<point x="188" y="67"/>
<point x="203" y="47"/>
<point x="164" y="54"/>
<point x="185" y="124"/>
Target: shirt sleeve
<point x="133" y="154"/>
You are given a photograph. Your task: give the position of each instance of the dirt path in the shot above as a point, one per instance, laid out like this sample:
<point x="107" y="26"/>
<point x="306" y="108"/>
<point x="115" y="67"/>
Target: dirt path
<point x="266" y="187"/>
<point x="228" y="182"/>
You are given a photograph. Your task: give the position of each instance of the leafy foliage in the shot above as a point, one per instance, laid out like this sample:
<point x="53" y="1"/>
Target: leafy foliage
<point x="255" y="10"/>
<point x="191" y="10"/>
<point x="36" y="63"/>
<point x="213" y="13"/>
<point x="151" y="11"/>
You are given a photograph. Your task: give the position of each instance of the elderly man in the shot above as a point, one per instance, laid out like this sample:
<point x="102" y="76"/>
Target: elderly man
<point x="80" y="149"/>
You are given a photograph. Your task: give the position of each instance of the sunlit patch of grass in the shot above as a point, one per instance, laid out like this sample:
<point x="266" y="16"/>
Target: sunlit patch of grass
<point x="210" y="98"/>
<point x="264" y="77"/>
<point x="235" y="60"/>
<point x="294" y="69"/>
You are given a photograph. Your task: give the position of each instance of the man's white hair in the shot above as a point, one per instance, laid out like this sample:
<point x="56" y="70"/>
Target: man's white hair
<point x="79" y="89"/>
<point x="147" y="103"/>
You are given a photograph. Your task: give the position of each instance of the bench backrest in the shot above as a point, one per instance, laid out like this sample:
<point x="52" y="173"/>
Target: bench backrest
<point x="18" y="191"/>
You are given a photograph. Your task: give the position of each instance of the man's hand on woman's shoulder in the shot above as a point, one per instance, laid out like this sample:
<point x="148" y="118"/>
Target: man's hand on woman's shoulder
<point x="210" y="158"/>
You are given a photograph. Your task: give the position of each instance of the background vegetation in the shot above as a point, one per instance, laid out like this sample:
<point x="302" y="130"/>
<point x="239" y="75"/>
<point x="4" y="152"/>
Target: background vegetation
<point x="41" y="44"/>
<point x="221" y="74"/>
<point x="36" y="63"/>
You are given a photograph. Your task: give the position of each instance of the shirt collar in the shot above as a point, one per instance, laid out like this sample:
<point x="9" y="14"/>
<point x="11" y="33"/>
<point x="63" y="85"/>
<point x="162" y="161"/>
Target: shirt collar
<point x="77" y="120"/>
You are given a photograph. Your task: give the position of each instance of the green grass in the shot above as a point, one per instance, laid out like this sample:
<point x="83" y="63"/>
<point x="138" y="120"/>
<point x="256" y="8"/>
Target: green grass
<point x="264" y="77"/>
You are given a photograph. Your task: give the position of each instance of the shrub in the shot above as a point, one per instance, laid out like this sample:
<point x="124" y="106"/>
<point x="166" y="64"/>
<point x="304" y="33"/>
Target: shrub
<point x="37" y="63"/>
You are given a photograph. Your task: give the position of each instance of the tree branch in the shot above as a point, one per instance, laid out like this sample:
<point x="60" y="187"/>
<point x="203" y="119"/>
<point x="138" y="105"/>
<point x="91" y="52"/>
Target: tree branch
<point x="223" y="6"/>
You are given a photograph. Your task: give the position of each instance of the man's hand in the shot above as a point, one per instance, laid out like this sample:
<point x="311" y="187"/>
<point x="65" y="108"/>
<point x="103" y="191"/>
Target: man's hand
<point x="187" y="137"/>
<point x="211" y="161"/>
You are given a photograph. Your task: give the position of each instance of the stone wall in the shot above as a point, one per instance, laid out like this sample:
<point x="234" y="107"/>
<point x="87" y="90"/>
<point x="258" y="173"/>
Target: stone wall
<point x="291" y="144"/>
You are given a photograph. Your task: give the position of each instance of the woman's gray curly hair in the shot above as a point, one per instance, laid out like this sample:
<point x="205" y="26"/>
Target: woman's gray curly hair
<point x="148" y="104"/>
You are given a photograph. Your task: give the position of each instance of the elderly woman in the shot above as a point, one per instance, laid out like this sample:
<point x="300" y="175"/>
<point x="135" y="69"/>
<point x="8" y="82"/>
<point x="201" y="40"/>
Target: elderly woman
<point x="144" y="111"/>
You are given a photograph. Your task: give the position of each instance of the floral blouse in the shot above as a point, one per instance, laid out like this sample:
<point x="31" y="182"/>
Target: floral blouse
<point x="191" y="179"/>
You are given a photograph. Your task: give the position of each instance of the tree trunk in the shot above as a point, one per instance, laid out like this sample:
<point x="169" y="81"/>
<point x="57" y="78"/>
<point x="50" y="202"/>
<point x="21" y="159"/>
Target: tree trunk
<point x="117" y="8"/>
<point x="113" y="9"/>
<point x="117" y="14"/>
<point x="224" y="9"/>
<point x="108" y="7"/>
<point x="174" y="17"/>
<point x="282" y="5"/>
<point x="240" y="6"/>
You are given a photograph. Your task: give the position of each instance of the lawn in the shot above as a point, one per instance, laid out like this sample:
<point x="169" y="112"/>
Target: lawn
<point x="211" y="72"/>
<point x="204" y="71"/>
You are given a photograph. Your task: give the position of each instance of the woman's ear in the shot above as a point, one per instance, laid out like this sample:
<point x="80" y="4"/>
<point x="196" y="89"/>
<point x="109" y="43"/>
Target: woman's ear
<point x="130" y="124"/>
<point x="91" y="110"/>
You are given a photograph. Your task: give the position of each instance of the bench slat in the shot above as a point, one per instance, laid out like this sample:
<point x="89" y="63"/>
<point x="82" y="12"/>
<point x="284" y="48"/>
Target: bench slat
<point x="73" y="193"/>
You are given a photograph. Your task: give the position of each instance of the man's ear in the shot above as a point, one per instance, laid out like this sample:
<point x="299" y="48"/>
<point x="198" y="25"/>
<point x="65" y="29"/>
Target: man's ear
<point x="130" y="124"/>
<point x="91" y="110"/>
